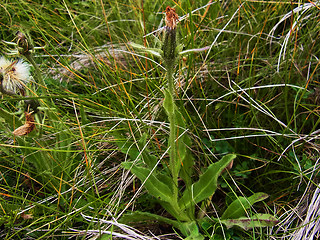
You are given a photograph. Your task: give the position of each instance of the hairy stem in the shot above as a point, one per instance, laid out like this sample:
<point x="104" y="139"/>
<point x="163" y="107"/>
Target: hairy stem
<point x="169" y="57"/>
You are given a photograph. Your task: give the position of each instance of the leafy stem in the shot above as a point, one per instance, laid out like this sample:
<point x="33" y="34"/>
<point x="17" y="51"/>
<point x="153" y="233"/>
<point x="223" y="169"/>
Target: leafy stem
<point x="164" y="186"/>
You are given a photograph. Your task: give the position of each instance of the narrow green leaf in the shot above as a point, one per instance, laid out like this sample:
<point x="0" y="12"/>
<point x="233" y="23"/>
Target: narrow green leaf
<point x="154" y="51"/>
<point x="239" y="206"/>
<point x="84" y="119"/>
<point x="136" y="45"/>
<point x="167" y="180"/>
<point x="207" y="183"/>
<point x="258" y="220"/>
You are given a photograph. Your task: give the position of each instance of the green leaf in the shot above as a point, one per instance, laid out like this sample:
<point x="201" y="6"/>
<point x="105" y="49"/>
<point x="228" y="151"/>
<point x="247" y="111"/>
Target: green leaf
<point x="84" y="118"/>
<point x="149" y="159"/>
<point x="191" y="231"/>
<point x="154" y="51"/>
<point x="258" y="220"/>
<point x="138" y="216"/>
<point x="167" y="180"/>
<point x="127" y="147"/>
<point x="134" y="150"/>
<point x="188" y="229"/>
<point x="9" y="118"/>
<point x="155" y="187"/>
<point x="105" y="237"/>
<point x="187" y="169"/>
<point x="175" y="211"/>
<point x="185" y="158"/>
<point x="127" y="165"/>
<point x="170" y="108"/>
<point x="239" y="207"/>
<point x="206" y="185"/>
<point x="168" y="103"/>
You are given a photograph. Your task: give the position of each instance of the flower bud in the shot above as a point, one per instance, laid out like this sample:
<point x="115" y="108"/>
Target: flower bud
<point x="170" y="42"/>
<point x="24" y="45"/>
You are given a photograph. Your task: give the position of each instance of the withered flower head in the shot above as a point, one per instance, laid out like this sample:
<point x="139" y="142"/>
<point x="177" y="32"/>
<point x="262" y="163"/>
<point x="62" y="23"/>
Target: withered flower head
<point x="16" y="74"/>
<point x="171" y="18"/>
<point x="27" y="128"/>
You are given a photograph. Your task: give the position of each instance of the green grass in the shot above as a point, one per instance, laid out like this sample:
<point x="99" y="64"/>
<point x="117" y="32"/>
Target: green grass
<point x="251" y="93"/>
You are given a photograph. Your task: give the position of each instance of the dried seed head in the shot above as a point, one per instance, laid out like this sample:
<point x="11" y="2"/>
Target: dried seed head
<point x="15" y="74"/>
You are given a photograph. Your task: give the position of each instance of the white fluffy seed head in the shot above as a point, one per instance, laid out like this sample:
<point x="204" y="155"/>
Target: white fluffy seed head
<point x="16" y="74"/>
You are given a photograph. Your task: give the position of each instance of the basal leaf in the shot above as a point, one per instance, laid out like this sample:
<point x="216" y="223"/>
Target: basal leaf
<point x="127" y="147"/>
<point x="149" y="159"/>
<point x="191" y="231"/>
<point x="151" y="182"/>
<point x="239" y="206"/>
<point x="207" y="183"/>
<point x="165" y="179"/>
<point x="134" y="150"/>
<point x="127" y="165"/>
<point x="258" y="220"/>
<point x="176" y="212"/>
<point x="138" y="216"/>
<point x="188" y="229"/>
